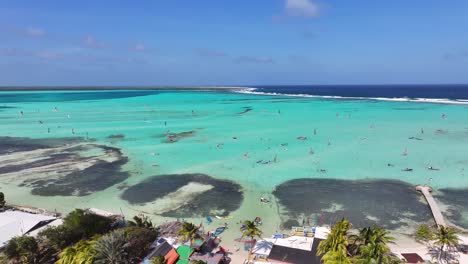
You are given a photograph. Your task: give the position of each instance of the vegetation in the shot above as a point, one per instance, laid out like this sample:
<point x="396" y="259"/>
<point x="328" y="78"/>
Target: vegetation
<point x="59" y="237"/>
<point x="87" y="224"/>
<point x="369" y="246"/>
<point x="77" y="225"/>
<point x="198" y="262"/>
<point x="110" y="248"/>
<point x="335" y="248"/>
<point x="189" y="232"/>
<point x="373" y="246"/>
<point x="23" y="248"/>
<point x="139" y="240"/>
<point x="2" y="200"/>
<point x="82" y="252"/>
<point x="250" y="229"/>
<point x="87" y="238"/>
<point x="141" y="221"/>
<point x="424" y="233"/>
<point x="158" y="260"/>
<point x="447" y="239"/>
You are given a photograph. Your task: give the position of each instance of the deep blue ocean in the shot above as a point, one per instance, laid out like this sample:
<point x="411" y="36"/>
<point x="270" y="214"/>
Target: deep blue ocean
<point x="442" y="91"/>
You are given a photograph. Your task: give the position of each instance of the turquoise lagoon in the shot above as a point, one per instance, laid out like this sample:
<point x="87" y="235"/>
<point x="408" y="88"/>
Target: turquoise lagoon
<point x="175" y="146"/>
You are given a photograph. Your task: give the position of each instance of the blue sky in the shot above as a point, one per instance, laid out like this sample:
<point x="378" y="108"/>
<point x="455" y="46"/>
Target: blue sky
<point x="241" y="42"/>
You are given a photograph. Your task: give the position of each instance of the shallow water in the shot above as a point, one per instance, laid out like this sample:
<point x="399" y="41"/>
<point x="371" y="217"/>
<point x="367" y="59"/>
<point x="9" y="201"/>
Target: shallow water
<point x="248" y="139"/>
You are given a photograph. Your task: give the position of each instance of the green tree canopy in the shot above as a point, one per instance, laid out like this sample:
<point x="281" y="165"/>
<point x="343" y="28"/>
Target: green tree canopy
<point x="250" y="229"/>
<point x="188" y="232"/>
<point x="82" y="252"/>
<point x="87" y="224"/>
<point x="22" y="247"/>
<point x="335" y="248"/>
<point x="424" y="233"/>
<point x="446" y="237"/>
<point x="111" y="248"/>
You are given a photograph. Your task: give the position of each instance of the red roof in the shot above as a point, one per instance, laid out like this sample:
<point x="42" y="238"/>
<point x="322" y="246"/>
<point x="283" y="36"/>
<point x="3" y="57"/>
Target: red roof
<point x="171" y="257"/>
<point x="412" y="258"/>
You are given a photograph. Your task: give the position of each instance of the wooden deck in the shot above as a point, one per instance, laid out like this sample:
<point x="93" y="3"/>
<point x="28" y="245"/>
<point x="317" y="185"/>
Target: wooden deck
<point x="426" y="191"/>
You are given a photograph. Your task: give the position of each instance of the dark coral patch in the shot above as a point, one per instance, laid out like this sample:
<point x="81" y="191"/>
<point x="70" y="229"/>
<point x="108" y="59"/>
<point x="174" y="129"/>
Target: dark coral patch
<point x="457" y="204"/>
<point x="225" y="196"/>
<point x="365" y="202"/>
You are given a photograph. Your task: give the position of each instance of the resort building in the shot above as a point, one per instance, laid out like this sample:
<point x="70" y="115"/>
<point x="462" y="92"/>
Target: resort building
<point x="15" y="223"/>
<point x="294" y="249"/>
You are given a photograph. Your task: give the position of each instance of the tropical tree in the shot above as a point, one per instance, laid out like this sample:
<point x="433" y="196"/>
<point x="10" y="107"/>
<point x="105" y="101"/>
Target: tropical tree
<point x="362" y="238"/>
<point x="22" y="247"/>
<point x="446" y="237"/>
<point x="188" y="232"/>
<point x="59" y="237"/>
<point x="158" y="260"/>
<point x="110" y="248"/>
<point x="139" y="240"/>
<point x="141" y="221"/>
<point x="373" y="246"/>
<point x="82" y="252"/>
<point x="250" y="229"/>
<point x="86" y="223"/>
<point x="424" y="233"/>
<point x="334" y="248"/>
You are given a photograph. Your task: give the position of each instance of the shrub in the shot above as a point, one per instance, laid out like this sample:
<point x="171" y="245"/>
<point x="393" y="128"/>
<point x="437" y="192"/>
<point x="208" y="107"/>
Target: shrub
<point x="138" y="241"/>
<point x="60" y="237"/>
<point x="158" y="260"/>
<point x="24" y="247"/>
<point x="87" y="224"/>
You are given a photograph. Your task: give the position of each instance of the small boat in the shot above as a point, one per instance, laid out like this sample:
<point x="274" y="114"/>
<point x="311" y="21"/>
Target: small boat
<point x="218" y="231"/>
<point x="407" y="169"/>
<point x="405" y="152"/>
<point x="432" y="168"/>
<point x="302" y="138"/>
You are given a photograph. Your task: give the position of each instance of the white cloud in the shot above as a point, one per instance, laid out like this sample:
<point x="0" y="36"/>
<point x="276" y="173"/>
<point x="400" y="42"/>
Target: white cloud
<point x="305" y="8"/>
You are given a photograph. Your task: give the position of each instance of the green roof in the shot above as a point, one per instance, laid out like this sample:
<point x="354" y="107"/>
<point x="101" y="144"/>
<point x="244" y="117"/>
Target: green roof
<point x="184" y="253"/>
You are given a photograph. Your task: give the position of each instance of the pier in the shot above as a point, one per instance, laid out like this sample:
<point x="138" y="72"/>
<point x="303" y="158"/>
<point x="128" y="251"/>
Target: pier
<point x="426" y="191"/>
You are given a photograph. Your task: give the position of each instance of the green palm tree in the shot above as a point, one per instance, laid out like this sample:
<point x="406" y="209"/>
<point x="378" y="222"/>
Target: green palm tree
<point x="250" y="229"/>
<point x="141" y="221"/>
<point x="372" y="245"/>
<point x="360" y="239"/>
<point x="189" y="232"/>
<point x="446" y="236"/>
<point x="110" y="249"/>
<point x="335" y="248"/>
<point x="81" y="253"/>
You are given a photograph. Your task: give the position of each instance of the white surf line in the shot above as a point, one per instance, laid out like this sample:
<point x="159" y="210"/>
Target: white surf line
<point x="248" y="90"/>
